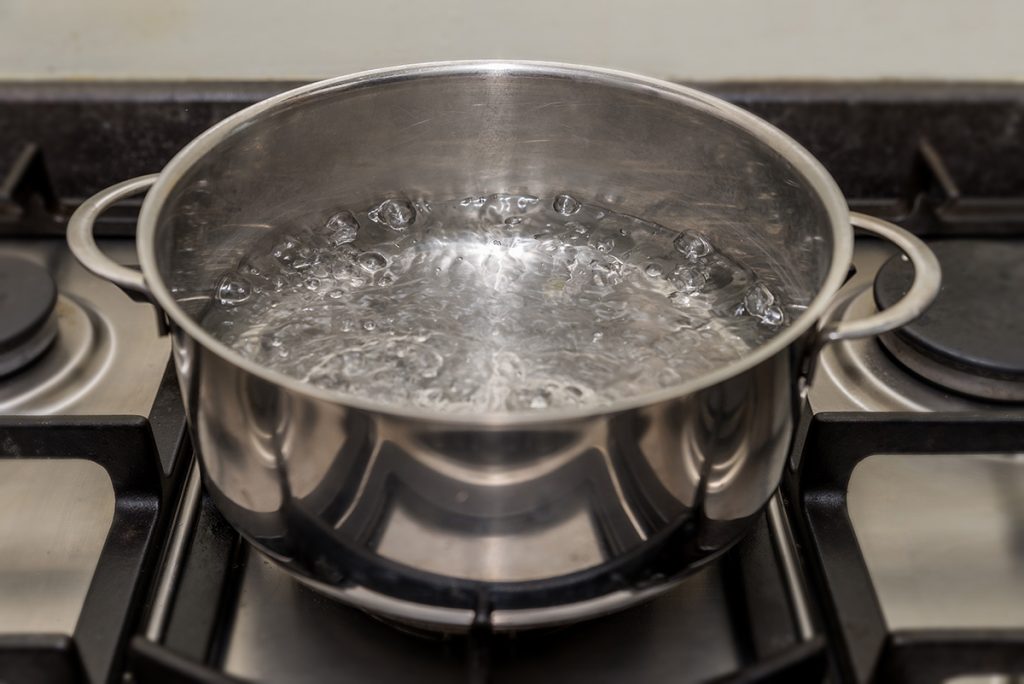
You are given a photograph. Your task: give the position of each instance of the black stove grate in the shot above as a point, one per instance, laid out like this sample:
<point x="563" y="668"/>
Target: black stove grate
<point x="866" y="650"/>
<point x="143" y="457"/>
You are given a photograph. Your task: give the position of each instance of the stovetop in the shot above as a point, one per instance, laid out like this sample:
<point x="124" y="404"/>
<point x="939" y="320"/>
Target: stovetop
<point x="893" y="552"/>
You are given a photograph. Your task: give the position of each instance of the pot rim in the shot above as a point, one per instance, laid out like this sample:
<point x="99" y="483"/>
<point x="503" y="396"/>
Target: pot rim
<point x="804" y="163"/>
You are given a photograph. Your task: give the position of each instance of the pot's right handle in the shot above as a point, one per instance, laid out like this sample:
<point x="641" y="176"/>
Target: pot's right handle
<point x="922" y="292"/>
<point x="927" y="278"/>
<point x="83" y="244"/>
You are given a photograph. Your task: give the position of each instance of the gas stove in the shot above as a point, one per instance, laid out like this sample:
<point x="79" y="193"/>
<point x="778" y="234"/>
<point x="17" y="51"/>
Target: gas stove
<point x="894" y="550"/>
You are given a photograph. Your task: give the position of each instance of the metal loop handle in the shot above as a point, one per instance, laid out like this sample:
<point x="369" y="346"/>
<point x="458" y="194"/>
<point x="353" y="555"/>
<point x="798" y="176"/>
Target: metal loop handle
<point x="83" y="244"/>
<point x="927" y="278"/>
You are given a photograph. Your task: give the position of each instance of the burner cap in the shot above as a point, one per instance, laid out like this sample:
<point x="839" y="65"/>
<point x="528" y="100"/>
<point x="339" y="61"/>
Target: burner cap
<point x="27" y="297"/>
<point x="971" y="339"/>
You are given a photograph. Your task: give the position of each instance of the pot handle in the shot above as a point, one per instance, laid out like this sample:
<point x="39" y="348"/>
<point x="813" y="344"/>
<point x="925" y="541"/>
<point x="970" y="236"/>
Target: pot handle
<point x="922" y="292"/>
<point x="83" y="244"/>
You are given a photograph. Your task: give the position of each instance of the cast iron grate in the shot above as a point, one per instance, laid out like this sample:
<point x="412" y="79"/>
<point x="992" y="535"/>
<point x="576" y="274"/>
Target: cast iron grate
<point x="866" y="650"/>
<point x="142" y="456"/>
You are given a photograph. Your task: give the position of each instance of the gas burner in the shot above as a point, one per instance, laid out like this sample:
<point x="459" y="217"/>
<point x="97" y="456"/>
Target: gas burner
<point x="68" y="367"/>
<point x="861" y="375"/>
<point x="97" y="336"/>
<point x="971" y="340"/>
<point x="27" y="299"/>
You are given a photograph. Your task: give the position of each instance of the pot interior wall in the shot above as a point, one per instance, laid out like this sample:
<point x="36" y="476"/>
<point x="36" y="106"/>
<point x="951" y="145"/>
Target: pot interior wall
<point x="608" y="140"/>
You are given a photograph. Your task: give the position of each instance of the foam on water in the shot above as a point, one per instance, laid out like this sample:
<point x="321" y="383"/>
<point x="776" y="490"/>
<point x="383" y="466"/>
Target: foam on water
<point x="499" y="303"/>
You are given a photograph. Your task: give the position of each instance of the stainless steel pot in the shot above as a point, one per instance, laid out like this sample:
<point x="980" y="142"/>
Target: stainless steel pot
<point x="526" y="519"/>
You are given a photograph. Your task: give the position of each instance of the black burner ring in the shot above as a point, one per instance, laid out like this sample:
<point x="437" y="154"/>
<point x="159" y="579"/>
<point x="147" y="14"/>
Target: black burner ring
<point x="971" y="339"/>
<point x="28" y="296"/>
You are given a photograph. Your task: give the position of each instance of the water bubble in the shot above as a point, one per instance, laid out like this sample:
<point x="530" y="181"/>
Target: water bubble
<point x="513" y="220"/>
<point x="233" y="290"/>
<point x="539" y="401"/>
<point x="605" y="245"/>
<point x="369" y="325"/>
<point x="396" y="214"/>
<point x="386" y="280"/>
<point x="336" y="293"/>
<point x="343" y="228"/>
<point x="692" y="245"/>
<point x="758" y="299"/>
<point x="312" y="283"/>
<point x="654" y="270"/>
<point x="248" y="268"/>
<point x="343" y="270"/>
<point x="292" y="253"/>
<point x="566" y="205"/>
<point x="525" y="201"/>
<point x="688" y="279"/>
<point x="623" y="232"/>
<point x="772" y="316"/>
<point x="372" y="262"/>
<point x="284" y="250"/>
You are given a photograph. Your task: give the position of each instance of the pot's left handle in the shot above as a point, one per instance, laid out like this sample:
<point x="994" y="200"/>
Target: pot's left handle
<point x="83" y="244"/>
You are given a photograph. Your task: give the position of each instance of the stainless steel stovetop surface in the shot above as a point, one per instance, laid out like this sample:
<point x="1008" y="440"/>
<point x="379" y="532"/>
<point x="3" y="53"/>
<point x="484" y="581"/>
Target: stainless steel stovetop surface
<point x="54" y="517"/>
<point x="107" y="359"/>
<point x="943" y="538"/>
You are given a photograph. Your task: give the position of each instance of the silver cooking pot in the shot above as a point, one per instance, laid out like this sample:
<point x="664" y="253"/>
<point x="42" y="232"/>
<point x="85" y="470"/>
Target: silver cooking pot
<point x="529" y="518"/>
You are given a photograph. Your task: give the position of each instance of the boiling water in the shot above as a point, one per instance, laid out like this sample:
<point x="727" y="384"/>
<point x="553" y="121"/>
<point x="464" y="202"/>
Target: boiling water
<point x="500" y="303"/>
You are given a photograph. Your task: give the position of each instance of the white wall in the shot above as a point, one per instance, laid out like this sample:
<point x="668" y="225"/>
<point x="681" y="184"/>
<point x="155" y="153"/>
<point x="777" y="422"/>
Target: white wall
<point x="690" y="39"/>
